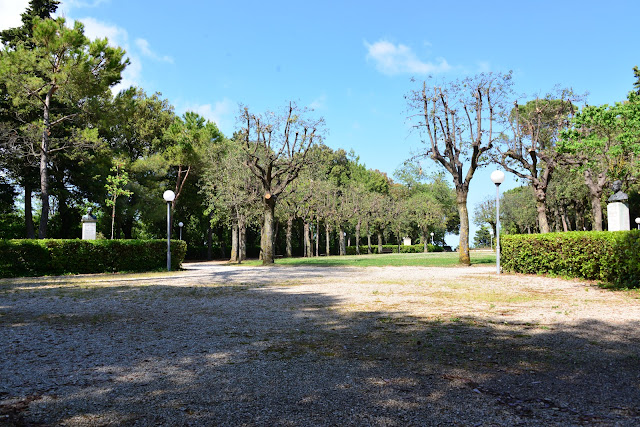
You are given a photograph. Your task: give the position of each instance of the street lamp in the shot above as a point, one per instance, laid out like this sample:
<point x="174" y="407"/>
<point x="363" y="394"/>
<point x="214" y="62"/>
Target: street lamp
<point x="169" y="196"/>
<point x="491" y="232"/>
<point x="498" y="178"/>
<point x="180" y="224"/>
<point x="432" y="239"/>
<point x="638" y="222"/>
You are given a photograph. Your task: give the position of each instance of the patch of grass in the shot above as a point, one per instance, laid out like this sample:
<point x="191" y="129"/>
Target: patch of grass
<point x="430" y="259"/>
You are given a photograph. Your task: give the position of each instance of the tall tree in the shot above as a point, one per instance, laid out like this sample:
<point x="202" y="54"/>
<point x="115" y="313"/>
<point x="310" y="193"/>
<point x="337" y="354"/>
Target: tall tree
<point x="275" y="146"/>
<point x="115" y="186"/>
<point x="458" y="120"/>
<point x="16" y="144"/>
<point x="531" y="152"/>
<point x="64" y="65"/>
<point x="189" y="138"/>
<point x="604" y="144"/>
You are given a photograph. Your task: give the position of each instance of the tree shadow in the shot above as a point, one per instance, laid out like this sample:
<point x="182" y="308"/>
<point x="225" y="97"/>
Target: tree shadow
<point x="250" y="354"/>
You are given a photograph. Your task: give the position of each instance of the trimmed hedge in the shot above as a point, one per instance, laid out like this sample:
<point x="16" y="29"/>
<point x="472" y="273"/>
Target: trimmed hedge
<point x="351" y="250"/>
<point x="55" y="257"/>
<point x="609" y="257"/>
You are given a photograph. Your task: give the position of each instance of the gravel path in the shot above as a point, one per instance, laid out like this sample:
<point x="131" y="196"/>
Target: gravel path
<point x="290" y="346"/>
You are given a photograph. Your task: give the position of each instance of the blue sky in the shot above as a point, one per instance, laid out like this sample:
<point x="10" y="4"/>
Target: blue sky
<point x="352" y="61"/>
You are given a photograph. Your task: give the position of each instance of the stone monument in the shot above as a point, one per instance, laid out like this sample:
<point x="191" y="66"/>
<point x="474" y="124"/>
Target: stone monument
<point x="618" y="209"/>
<point x="89" y="226"/>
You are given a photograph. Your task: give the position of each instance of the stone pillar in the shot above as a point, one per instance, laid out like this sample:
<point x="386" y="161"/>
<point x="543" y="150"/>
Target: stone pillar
<point x="89" y="226"/>
<point x="618" y="216"/>
<point x="618" y="210"/>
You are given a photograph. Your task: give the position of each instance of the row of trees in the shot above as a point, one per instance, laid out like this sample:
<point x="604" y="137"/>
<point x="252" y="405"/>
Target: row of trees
<point x="68" y="140"/>
<point x="556" y="148"/>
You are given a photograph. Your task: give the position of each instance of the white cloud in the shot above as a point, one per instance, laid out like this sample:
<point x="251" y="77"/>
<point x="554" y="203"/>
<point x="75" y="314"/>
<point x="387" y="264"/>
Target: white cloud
<point x="221" y="113"/>
<point x="94" y="29"/>
<point x="319" y="103"/>
<point x="143" y="45"/>
<point x="80" y="3"/>
<point x="394" y="59"/>
<point x="11" y="11"/>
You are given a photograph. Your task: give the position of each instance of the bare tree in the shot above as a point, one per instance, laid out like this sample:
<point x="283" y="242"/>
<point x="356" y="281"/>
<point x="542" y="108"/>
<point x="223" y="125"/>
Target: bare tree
<point x="531" y="153"/>
<point x="276" y="145"/>
<point x="458" y="120"/>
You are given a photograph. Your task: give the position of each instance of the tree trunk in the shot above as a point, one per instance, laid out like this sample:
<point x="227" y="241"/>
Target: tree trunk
<point x="327" y="232"/>
<point x="343" y="249"/>
<point x="317" y="237"/>
<point x="463" y="249"/>
<point x="369" y="251"/>
<point x="307" y="240"/>
<point x="424" y="241"/>
<point x="242" y="240"/>
<point x="113" y="217"/>
<point x="210" y="238"/>
<point x="541" y="208"/>
<point x="596" y="187"/>
<point x="234" y="241"/>
<point x="358" y="225"/>
<point x="563" y="218"/>
<point x="28" y="213"/>
<point x="266" y="243"/>
<point x="289" y="234"/>
<point x="44" y="170"/>
<point x="379" y="241"/>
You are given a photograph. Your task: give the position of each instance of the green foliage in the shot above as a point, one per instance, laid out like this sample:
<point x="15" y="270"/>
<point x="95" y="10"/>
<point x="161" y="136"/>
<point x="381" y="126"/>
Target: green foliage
<point x="609" y="257"/>
<point x="482" y="238"/>
<point x="55" y="257"/>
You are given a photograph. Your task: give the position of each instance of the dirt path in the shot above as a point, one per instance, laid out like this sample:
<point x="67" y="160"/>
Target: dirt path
<point x="222" y="345"/>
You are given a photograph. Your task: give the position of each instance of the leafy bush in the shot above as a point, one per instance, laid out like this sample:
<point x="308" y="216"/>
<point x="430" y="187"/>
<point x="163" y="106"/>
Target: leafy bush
<point x="610" y="257"/>
<point x="351" y="250"/>
<point x="46" y="257"/>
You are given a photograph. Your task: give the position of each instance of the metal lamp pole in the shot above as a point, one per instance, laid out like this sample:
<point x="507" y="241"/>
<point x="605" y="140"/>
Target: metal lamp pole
<point x="638" y="222"/>
<point x="180" y="224"/>
<point x="498" y="178"/>
<point x="169" y="196"/>
<point x="432" y="239"/>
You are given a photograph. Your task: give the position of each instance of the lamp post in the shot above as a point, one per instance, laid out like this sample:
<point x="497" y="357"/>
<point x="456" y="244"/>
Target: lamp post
<point x="432" y="239"/>
<point x="638" y="222"/>
<point x="180" y="224"/>
<point x="491" y="233"/>
<point x="169" y="196"/>
<point x="498" y="178"/>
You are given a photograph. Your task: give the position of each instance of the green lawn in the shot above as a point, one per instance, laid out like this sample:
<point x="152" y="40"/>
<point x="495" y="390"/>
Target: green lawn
<point x="431" y="259"/>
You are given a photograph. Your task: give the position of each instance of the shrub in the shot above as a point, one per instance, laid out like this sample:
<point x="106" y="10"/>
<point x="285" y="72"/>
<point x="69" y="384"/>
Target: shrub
<point x="609" y="257"/>
<point x="47" y="257"/>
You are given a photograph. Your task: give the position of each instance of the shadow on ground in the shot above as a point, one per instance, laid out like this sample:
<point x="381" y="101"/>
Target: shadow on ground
<point x="258" y="355"/>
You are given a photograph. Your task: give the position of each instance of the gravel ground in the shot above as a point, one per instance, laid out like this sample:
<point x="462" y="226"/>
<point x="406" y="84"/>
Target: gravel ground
<point x="291" y="346"/>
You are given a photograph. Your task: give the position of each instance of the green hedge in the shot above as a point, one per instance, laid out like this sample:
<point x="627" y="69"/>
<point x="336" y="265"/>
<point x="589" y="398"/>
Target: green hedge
<point x="54" y="257"/>
<point x="351" y="250"/>
<point x="609" y="257"/>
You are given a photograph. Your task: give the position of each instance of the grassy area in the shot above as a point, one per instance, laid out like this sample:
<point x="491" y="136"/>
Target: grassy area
<point x="431" y="259"/>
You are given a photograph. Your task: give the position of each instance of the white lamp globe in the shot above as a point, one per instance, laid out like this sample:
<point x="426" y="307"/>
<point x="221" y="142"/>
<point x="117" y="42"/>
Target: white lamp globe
<point x="180" y="224"/>
<point x="169" y="196"/>
<point x="497" y="177"/>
